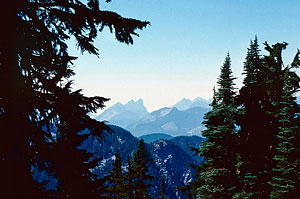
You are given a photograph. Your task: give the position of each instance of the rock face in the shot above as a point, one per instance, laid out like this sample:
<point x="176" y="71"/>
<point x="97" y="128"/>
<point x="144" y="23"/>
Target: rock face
<point x="124" y="114"/>
<point x="170" y="121"/>
<point x="170" y="160"/>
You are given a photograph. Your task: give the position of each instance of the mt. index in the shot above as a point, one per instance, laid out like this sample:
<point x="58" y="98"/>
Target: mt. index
<point x="124" y="114"/>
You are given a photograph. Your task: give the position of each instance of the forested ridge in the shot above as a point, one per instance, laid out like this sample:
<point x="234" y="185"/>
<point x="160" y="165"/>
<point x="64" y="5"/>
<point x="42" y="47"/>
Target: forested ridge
<point x="252" y="145"/>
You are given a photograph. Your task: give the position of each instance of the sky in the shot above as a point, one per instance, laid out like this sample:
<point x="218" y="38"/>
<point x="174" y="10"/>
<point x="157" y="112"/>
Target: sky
<point x="180" y="54"/>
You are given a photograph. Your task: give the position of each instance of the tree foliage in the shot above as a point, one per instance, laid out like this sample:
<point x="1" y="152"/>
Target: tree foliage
<point x="252" y="146"/>
<point x="218" y="176"/>
<point x="41" y="117"/>
<point x="142" y="178"/>
<point x="286" y="179"/>
<point x="116" y="186"/>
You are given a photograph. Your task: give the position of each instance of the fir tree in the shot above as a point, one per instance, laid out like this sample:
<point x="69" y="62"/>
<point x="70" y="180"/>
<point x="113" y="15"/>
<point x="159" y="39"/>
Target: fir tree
<point x="218" y="172"/>
<point x="162" y="188"/>
<point x="260" y="105"/>
<point x="42" y="114"/>
<point x="129" y="178"/>
<point x="252" y="121"/>
<point x="286" y="180"/>
<point x="116" y="180"/>
<point x="141" y="163"/>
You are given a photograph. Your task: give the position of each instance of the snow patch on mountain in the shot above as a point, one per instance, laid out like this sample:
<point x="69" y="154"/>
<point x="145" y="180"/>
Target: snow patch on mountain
<point x="159" y="143"/>
<point x="169" y="158"/>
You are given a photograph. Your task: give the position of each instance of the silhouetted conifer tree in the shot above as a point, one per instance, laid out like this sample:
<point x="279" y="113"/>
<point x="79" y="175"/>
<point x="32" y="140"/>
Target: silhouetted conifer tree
<point x="129" y="178"/>
<point x="141" y="162"/>
<point x="218" y="175"/>
<point x="260" y="106"/>
<point x="162" y="188"/>
<point x="286" y="179"/>
<point x="253" y="124"/>
<point x="41" y="118"/>
<point x="116" y="187"/>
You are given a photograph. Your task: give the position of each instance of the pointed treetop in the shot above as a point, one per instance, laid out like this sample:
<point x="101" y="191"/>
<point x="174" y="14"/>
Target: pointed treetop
<point x="225" y="82"/>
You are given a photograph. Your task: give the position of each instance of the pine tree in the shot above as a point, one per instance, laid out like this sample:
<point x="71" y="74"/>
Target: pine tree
<point x="286" y="180"/>
<point x="116" y="180"/>
<point x="219" y="174"/>
<point x="41" y="118"/>
<point x="141" y="163"/>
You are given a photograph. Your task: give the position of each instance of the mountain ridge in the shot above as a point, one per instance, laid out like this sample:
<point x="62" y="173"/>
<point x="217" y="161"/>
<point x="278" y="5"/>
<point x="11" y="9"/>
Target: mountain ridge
<point x="170" y="121"/>
<point x="170" y="160"/>
<point x="123" y="114"/>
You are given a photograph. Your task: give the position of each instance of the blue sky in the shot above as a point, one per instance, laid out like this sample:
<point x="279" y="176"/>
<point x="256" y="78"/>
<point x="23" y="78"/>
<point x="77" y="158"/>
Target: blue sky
<point x="180" y="54"/>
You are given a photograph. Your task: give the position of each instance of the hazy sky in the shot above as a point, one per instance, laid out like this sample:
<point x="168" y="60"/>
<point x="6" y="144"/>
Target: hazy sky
<point x="180" y="54"/>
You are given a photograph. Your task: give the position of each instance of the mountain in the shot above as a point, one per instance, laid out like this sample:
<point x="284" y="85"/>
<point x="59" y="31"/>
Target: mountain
<point x="185" y="142"/>
<point x="124" y="114"/>
<point x="155" y="136"/>
<point x="200" y="102"/>
<point x="169" y="159"/>
<point x="170" y="121"/>
<point x="185" y="103"/>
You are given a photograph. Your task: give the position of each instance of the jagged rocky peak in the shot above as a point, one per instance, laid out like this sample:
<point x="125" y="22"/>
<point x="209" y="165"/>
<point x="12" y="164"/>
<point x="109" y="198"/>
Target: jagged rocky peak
<point x="124" y="114"/>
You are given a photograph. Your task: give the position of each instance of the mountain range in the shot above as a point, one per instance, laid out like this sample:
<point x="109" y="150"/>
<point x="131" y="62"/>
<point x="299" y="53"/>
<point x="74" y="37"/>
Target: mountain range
<point x="170" y="121"/>
<point x="124" y="114"/>
<point x="171" y="158"/>
<point x="184" y="118"/>
<point x="185" y="103"/>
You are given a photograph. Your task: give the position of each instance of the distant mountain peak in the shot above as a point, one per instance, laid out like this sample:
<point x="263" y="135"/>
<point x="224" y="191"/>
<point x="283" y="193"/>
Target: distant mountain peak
<point x="171" y="121"/>
<point x="186" y="103"/>
<point x="140" y="101"/>
<point x="200" y="99"/>
<point x="124" y="114"/>
<point x="130" y="102"/>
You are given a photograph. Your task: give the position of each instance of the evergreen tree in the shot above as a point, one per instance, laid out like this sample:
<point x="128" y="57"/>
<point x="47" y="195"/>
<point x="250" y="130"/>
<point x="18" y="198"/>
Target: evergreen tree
<point x="260" y="101"/>
<point x="286" y="180"/>
<point x="116" y="180"/>
<point x="130" y="177"/>
<point x="41" y="118"/>
<point x="162" y="188"/>
<point x="252" y="121"/>
<point x="218" y="172"/>
<point x="141" y="163"/>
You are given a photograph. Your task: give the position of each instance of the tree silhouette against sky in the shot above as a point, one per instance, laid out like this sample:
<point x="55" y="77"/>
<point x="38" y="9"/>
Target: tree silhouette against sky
<point x="40" y="114"/>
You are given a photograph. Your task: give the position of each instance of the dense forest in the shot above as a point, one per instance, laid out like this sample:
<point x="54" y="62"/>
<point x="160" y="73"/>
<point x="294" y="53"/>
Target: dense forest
<point x="252" y="146"/>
